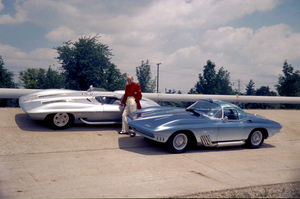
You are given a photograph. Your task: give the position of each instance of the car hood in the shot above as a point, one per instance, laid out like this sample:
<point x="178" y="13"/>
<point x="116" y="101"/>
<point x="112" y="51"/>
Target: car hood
<point x="153" y="117"/>
<point x="261" y="119"/>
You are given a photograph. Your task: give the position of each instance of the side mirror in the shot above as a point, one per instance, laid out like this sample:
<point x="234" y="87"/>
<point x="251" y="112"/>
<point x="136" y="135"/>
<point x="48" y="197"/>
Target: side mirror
<point x="225" y="119"/>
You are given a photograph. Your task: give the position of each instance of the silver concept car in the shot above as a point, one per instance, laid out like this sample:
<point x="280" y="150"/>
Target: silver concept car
<point x="60" y="107"/>
<point x="208" y="122"/>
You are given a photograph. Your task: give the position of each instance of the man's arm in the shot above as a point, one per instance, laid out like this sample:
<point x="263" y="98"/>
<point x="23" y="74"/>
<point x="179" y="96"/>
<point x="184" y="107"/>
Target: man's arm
<point x="138" y="95"/>
<point x="125" y="96"/>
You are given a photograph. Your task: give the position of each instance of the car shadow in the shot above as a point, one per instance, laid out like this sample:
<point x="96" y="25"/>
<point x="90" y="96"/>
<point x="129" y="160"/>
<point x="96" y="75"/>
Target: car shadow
<point x="225" y="148"/>
<point x="142" y="145"/>
<point x="146" y="146"/>
<point x="26" y="124"/>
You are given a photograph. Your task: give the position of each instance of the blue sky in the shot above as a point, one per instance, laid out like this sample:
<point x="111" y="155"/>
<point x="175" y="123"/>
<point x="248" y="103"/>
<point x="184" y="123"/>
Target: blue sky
<point x="251" y="39"/>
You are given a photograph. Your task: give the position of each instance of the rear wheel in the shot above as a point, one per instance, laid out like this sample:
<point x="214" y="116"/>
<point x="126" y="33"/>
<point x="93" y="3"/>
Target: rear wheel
<point x="256" y="139"/>
<point x="179" y="142"/>
<point x="60" y="120"/>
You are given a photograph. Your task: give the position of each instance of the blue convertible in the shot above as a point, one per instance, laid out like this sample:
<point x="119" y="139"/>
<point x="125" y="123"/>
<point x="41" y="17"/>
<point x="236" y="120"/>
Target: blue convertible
<point x="208" y="122"/>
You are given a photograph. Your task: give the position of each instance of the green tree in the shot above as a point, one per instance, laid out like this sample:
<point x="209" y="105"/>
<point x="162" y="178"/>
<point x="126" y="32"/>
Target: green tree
<point x="212" y="82"/>
<point x="223" y="82"/>
<point x="289" y="82"/>
<point x="6" y="81"/>
<point x="262" y="91"/>
<point x="32" y="78"/>
<point x="265" y="91"/>
<point x="250" y="88"/>
<point x="115" y="80"/>
<point x="84" y="62"/>
<point x="53" y="79"/>
<point x="143" y="74"/>
<point x="6" y="77"/>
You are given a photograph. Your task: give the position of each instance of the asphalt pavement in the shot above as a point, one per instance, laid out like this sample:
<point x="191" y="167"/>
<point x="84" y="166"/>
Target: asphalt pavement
<point x="96" y="162"/>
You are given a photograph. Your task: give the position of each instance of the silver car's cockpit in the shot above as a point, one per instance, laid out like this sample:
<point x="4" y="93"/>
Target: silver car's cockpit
<point x="107" y="99"/>
<point x="216" y="109"/>
<point x="206" y="108"/>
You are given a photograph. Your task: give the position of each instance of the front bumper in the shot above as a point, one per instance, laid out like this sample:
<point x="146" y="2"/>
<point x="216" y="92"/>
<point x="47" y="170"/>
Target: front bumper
<point x="151" y="136"/>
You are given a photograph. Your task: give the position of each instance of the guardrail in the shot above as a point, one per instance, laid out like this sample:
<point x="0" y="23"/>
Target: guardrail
<point x="225" y="98"/>
<point x="16" y="93"/>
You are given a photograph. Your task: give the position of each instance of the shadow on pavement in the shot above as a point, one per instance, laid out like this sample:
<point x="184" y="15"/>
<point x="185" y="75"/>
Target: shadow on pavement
<point x="141" y="145"/>
<point x="146" y="146"/>
<point x="27" y="124"/>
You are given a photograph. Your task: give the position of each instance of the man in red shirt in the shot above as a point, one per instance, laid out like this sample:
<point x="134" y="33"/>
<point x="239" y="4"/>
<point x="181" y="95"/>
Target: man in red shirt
<point x="131" y="100"/>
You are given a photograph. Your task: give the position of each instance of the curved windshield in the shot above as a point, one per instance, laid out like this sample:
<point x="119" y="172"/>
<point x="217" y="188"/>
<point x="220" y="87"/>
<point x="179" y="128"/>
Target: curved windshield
<point x="241" y="113"/>
<point x="207" y="108"/>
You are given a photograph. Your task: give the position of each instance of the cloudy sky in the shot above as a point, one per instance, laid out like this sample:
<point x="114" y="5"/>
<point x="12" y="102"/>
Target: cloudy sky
<point x="251" y="39"/>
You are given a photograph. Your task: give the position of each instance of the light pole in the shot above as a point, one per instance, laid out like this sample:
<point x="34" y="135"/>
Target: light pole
<point x="157" y="76"/>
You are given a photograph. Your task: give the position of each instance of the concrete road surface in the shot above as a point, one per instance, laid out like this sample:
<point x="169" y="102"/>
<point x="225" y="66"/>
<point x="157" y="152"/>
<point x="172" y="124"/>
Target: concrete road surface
<point x="94" y="161"/>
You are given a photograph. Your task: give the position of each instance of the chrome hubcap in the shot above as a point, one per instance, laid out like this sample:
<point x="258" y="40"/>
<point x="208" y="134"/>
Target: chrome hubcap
<point x="61" y="119"/>
<point x="256" y="138"/>
<point x="180" y="141"/>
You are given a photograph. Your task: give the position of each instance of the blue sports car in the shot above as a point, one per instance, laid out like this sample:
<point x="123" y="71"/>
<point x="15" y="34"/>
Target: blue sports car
<point x="208" y="122"/>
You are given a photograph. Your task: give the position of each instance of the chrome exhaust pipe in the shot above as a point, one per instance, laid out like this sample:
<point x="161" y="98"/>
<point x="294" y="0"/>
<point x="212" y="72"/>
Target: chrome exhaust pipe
<point x="234" y="143"/>
<point x="96" y="123"/>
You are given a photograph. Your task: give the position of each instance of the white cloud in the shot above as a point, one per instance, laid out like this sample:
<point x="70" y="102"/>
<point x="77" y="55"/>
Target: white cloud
<point x="274" y="44"/>
<point x="197" y="14"/>
<point x="16" y="60"/>
<point x="182" y="35"/>
<point x="1" y="5"/>
<point x="19" y="17"/>
<point x="143" y="16"/>
<point x="61" y="34"/>
<point x="6" y="19"/>
<point x="267" y="45"/>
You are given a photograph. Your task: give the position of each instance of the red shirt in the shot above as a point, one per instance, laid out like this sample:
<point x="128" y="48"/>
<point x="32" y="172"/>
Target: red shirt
<point x="133" y="90"/>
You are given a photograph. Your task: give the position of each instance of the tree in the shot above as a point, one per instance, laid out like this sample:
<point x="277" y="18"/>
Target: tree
<point x="6" y="77"/>
<point x="262" y="91"/>
<point x="223" y="82"/>
<point x="289" y="82"/>
<point x="143" y="74"/>
<point x="84" y="63"/>
<point x="206" y="83"/>
<point x="53" y="79"/>
<point x="114" y="79"/>
<point x="33" y="78"/>
<point x="265" y="91"/>
<point x="6" y="81"/>
<point x="212" y="82"/>
<point x="250" y="88"/>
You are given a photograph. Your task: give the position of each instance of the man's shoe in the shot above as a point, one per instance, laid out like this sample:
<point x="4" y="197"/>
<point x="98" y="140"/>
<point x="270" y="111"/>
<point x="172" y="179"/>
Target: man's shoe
<point x="121" y="132"/>
<point x="132" y="135"/>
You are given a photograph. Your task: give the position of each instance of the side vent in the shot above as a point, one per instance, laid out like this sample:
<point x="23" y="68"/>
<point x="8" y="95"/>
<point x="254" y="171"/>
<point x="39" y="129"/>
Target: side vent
<point x="205" y="139"/>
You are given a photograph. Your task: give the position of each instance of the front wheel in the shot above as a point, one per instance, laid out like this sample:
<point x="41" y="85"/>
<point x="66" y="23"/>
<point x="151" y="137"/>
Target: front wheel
<point x="179" y="142"/>
<point x="256" y="139"/>
<point x="60" y="120"/>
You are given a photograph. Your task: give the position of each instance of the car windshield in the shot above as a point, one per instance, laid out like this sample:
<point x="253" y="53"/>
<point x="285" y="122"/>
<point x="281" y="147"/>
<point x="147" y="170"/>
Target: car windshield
<point x="241" y="114"/>
<point x="206" y="108"/>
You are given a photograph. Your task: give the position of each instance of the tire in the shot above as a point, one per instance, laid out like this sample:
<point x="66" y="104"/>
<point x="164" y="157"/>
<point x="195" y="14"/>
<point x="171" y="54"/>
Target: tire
<point x="60" y="120"/>
<point x="179" y="142"/>
<point x="255" y="139"/>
